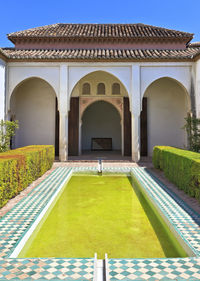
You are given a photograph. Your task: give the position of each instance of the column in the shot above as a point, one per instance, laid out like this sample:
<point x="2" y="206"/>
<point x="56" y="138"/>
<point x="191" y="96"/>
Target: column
<point x="135" y="112"/>
<point x="63" y="109"/>
<point x="135" y="124"/>
<point x="2" y="89"/>
<point x="63" y="141"/>
<point x="197" y="89"/>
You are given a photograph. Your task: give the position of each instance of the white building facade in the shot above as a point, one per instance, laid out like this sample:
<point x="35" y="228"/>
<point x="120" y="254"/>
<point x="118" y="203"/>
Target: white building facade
<point x="70" y="84"/>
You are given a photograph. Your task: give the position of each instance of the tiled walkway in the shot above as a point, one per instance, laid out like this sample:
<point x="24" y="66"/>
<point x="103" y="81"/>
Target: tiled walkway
<point x="186" y="223"/>
<point x="16" y="223"/>
<point x="154" y="269"/>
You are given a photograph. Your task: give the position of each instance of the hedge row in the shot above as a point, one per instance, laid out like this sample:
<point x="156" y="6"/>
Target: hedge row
<point x="20" y="167"/>
<point x="182" y="167"/>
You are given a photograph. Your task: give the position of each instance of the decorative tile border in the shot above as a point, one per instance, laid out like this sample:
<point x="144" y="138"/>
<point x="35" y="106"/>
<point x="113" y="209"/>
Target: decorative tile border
<point x="185" y="222"/>
<point x="154" y="269"/>
<point x="46" y="269"/>
<point x="18" y="221"/>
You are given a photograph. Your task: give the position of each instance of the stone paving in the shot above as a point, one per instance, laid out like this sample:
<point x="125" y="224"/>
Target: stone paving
<point x="21" y="212"/>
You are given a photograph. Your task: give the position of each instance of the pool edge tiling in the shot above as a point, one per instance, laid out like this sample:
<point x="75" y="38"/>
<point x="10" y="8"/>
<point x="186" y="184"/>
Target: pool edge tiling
<point x="16" y="223"/>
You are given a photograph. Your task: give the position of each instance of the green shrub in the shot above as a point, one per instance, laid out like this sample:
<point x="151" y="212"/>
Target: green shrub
<point x="7" y="131"/>
<point x="182" y="167"/>
<point x="192" y="128"/>
<point x="20" y="167"/>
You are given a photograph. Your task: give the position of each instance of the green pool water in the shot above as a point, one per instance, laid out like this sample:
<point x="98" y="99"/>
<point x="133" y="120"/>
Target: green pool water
<point x="102" y="214"/>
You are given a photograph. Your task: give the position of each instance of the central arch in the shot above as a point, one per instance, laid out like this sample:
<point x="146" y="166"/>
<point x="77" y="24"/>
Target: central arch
<point x="101" y="120"/>
<point x="98" y="89"/>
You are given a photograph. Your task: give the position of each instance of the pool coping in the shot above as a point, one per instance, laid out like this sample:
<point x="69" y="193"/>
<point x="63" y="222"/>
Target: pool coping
<point x="158" y="192"/>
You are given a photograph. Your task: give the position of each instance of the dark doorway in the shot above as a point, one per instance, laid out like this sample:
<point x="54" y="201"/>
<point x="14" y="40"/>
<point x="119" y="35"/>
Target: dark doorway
<point x="143" y="129"/>
<point x="101" y="121"/>
<point x="56" y="128"/>
<point x="127" y="128"/>
<point x="73" y="127"/>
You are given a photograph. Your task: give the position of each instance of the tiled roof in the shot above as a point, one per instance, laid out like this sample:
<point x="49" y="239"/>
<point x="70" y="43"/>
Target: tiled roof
<point x="194" y="44"/>
<point x="99" y="54"/>
<point x="137" y="30"/>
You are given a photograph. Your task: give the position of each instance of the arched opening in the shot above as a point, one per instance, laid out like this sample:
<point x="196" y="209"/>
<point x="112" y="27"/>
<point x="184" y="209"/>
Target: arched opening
<point x="165" y="105"/>
<point x="115" y="89"/>
<point x="100" y="104"/>
<point x="101" y="90"/>
<point x="101" y="128"/>
<point x="86" y="89"/>
<point x="34" y="104"/>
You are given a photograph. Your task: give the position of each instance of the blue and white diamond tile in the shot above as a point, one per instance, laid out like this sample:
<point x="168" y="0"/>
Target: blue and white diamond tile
<point x="15" y="224"/>
<point x="154" y="269"/>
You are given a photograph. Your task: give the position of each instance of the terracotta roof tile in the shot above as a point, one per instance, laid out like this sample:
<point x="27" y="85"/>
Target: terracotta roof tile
<point x="137" y="30"/>
<point x="100" y="54"/>
<point x="194" y="44"/>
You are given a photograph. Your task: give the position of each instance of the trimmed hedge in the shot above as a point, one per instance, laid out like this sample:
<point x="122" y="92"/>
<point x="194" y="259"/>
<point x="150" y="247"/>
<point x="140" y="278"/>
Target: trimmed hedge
<point x="182" y="167"/>
<point x="20" y="167"/>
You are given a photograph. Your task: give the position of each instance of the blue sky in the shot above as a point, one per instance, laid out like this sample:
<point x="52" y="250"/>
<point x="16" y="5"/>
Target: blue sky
<point x="23" y="14"/>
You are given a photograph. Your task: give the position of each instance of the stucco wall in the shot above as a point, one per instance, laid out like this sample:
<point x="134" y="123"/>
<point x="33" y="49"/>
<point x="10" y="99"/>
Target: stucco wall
<point x="94" y="79"/>
<point x="33" y="104"/>
<point x="19" y="72"/>
<point x="167" y="108"/>
<point x="2" y="89"/>
<point x="118" y="71"/>
<point x="197" y="88"/>
<point x="101" y="119"/>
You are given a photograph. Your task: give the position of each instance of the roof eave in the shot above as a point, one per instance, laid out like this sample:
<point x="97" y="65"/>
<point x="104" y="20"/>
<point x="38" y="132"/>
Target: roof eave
<point x="186" y="59"/>
<point x="3" y="56"/>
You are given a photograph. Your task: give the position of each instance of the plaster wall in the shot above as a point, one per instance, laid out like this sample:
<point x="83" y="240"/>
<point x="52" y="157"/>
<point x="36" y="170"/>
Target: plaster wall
<point x="94" y="79"/>
<point x="167" y="108"/>
<point x="123" y="73"/>
<point x="18" y="74"/>
<point x="135" y="79"/>
<point x="33" y="105"/>
<point x="151" y="73"/>
<point x="197" y="88"/>
<point x="2" y="89"/>
<point x="101" y="120"/>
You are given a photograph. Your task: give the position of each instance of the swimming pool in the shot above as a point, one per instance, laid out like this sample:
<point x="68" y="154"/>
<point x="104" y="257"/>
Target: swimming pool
<point x="18" y="224"/>
<point x="102" y="214"/>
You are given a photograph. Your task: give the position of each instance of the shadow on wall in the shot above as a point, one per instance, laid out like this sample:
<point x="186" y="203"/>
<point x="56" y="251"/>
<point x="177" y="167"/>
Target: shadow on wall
<point x="33" y="103"/>
<point x="101" y="120"/>
<point x="167" y="106"/>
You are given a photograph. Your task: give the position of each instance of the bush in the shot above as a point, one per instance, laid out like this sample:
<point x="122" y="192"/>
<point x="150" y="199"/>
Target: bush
<point x="192" y="128"/>
<point x="7" y="131"/>
<point x="182" y="167"/>
<point x="20" y="167"/>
